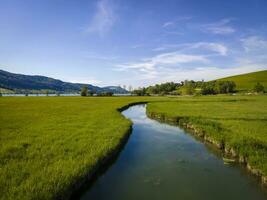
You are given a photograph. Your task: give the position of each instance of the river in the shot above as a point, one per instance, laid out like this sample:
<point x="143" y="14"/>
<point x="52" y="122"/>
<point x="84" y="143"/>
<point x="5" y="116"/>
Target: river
<point x="161" y="161"/>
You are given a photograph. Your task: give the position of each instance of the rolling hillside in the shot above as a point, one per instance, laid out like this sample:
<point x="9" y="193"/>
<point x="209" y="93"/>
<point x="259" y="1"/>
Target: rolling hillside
<point x="245" y="82"/>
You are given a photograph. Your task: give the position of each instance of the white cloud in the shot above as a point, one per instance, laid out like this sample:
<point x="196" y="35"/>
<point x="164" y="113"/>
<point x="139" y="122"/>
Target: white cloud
<point x="222" y="27"/>
<point x="85" y="80"/>
<point x="103" y="19"/>
<point x="210" y="46"/>
<point x="175" y="21"/>
<point x="175" y="58"/>
<point x="166" y="24"/>
<point x="182" y="73"/>
<point x="150" y="68"/>
<point x="159" y="49"/>
<point x="216" y="47"/>
<point x="254" y="43"/>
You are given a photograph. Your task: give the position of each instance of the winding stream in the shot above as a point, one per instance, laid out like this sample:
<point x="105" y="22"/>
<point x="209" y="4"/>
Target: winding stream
<point x="161" y="161"/>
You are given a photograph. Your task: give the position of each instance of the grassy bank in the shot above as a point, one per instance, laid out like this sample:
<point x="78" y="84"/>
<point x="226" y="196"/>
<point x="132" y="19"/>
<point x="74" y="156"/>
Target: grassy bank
<point x="50" y="144"/>
<point x="238" y="125"/>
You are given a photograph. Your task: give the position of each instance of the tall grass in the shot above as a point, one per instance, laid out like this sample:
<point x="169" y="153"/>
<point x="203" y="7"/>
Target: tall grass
<point x="48" y="144"/>
<point x="237" y="123"/>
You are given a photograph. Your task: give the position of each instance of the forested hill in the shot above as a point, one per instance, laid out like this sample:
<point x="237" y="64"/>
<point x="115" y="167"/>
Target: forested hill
<point x="20" y="82"/>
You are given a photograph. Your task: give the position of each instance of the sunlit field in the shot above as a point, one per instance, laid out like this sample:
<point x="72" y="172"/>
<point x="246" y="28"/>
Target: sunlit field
<point x="50" y="144"/>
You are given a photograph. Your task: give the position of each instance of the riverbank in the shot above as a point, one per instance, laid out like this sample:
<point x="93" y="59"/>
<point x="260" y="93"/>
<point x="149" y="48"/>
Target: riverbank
<point x="50" y="146"/>
<point x="165" y="162"/>
<point x="218" y="121"/>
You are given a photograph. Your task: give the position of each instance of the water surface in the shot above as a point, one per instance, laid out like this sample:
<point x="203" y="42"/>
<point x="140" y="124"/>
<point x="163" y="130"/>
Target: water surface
<point x="163" y="162"/>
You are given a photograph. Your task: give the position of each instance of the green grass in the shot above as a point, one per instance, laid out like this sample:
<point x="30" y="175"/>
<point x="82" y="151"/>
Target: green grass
<point x="238" y="122"/>
<point x="246" y="82"/>
<point x="50" y="143"/>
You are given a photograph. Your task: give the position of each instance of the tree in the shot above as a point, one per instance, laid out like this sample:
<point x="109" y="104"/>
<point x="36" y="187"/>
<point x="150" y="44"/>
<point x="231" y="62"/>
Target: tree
<point x="189" y="89"/>
<point x="0" y="94"/>
<point x="218" y="87"/>
<point x="84" y="91"/>
<point x="46" y="92"/>
<point x="139" y="92"/>
<point x="258" y="88"/>
<point x="90" y="92"/>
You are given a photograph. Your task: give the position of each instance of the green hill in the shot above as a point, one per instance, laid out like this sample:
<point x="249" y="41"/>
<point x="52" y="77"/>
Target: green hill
<point x="245" y="82"/>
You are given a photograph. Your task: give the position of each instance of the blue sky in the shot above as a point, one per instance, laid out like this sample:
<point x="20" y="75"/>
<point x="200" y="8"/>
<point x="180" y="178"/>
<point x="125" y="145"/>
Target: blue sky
<point x="133" y="42"/>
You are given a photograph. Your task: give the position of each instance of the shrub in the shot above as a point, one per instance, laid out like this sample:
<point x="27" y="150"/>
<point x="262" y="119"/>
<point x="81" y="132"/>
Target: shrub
<point x="258" y="88"/>
<point x="84" y="91"/>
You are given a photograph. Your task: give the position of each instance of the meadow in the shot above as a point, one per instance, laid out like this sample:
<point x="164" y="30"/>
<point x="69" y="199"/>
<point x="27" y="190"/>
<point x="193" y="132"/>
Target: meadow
<point x="238" y="125"/>
<point x="50" y="144"/>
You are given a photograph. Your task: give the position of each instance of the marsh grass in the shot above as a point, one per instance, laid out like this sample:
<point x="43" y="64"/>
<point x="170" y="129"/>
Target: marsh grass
<point x="238" y="123"/>
<point x="49" y="144"/>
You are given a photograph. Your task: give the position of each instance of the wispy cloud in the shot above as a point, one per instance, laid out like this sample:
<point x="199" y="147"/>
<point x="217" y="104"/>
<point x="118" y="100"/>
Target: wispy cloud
<point x="175" y="21"/>
<point x="255" y="51"/>
<point x="216" y="47"/>
<point x="221" y="27"/>
<point x="103" y="19"/>
<point x="160" y="48"/>
<point x="149" y="68"/>
<point x="166" y="24"/>
<point x="254" y="43"/>
<point x="210" y="46"/>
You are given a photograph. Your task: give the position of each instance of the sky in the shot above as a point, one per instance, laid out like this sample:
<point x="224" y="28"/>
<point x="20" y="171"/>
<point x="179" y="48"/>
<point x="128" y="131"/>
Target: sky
<point x="133" y="42"/>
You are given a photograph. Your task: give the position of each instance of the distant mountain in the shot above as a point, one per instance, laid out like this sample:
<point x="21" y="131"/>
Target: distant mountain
<point x="245" y="82"/>
<point x="22" y="83"/>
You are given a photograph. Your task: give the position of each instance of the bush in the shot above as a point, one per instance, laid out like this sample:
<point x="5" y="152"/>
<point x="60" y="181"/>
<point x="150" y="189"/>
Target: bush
<point x="258" y="88"/>
<point x="84" y="91"/>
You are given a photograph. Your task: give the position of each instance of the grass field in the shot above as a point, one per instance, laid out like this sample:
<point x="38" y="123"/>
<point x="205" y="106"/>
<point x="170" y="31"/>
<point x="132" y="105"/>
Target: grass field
<point x="246" y="82"/>
<point x="237" y="123"/>
<point x="48" y="144"/>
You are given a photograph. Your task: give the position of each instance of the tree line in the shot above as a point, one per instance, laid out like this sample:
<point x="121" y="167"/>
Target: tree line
<point x="86" y="92"/>
<point x="190" y="87"/>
